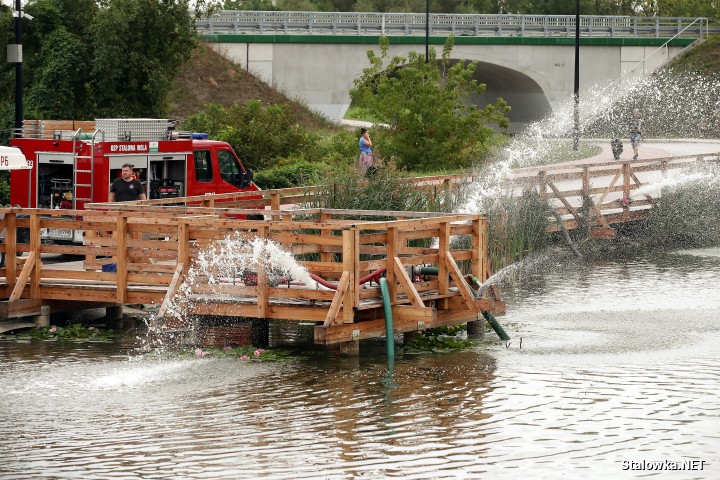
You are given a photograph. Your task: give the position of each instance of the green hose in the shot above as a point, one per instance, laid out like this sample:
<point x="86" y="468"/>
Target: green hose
<point x="496" y="326"/>
<point x="490" y="319"/>
<point x="429" y="271"/>
<point x="488" y="316"/>
<point x="387" y="308"/>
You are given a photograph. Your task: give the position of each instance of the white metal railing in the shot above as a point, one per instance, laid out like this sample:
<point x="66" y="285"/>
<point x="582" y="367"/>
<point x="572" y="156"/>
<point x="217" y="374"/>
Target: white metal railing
<point x="258" y="22"/>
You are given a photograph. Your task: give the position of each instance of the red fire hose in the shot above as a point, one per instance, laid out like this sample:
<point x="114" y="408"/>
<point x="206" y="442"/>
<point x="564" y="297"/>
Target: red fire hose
<point x="373" y="275"/>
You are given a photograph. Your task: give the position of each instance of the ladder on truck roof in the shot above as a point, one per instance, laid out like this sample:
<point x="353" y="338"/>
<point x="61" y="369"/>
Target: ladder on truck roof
<point x="82" y="172"/>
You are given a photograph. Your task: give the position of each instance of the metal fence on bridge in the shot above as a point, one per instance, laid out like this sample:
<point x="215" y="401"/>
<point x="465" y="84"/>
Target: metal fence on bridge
<point x="343" y="23"/>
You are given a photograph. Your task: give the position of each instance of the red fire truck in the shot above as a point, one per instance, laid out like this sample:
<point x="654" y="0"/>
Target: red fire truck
<point x="72" y="167"/>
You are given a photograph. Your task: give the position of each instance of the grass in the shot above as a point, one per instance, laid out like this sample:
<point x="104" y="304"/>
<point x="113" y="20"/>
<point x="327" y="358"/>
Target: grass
<point x="209" y="77"/>
<point x="361" y="114"/>
<point x="561" y="151"/>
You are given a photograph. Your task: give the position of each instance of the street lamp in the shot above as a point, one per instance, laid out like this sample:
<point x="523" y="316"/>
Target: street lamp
<point x="576" y="92"/>
<point x="14" y="55"/>
<point x="427" y="30"/>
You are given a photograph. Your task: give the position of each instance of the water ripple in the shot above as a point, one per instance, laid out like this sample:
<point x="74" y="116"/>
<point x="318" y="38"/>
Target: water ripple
<point x="587" y="390"/>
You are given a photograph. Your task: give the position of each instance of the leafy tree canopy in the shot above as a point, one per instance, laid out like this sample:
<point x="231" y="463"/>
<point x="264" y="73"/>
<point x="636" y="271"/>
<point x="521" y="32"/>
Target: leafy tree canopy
<point x="84" y="59"/>
<point x="432" y="124"/>
<point x="259" y="135"/>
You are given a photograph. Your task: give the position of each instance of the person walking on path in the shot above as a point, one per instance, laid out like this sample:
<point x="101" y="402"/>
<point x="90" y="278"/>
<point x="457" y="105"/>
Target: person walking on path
<point x="126" y="188"/>
<point x="635" y="128"/>
<point x="366" y="156"/>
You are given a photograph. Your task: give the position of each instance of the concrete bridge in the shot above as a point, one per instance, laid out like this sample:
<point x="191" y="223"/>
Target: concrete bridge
<point x="527" y="60"/>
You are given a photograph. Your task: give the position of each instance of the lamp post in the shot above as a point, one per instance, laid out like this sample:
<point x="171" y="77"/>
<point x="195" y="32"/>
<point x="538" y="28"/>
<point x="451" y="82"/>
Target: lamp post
<point x="18" y="67"/>
<point x="576" y="91"/>
<point x="427" y="30"/>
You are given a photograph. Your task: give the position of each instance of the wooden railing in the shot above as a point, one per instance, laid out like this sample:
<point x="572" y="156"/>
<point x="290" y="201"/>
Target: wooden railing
<point x="611" y="185"/>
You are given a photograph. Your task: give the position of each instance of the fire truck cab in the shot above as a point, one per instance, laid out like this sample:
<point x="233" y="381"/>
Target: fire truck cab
<point x="70" y="167"/>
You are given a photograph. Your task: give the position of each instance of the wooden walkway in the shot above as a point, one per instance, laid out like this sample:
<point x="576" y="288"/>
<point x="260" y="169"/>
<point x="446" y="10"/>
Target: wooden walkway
<point x="618" y="191"/>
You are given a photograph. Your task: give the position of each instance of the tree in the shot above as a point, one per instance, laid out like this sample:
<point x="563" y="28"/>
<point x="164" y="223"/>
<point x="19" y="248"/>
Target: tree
<point x="260" y="135"/>
<point x="7" y="78"/>
<point x="57" y="58"/>
<point x="432" y="125"/>
<point x="139" y="46"/>
<point x="265" y="5"/>
<point x="59" y="86"/>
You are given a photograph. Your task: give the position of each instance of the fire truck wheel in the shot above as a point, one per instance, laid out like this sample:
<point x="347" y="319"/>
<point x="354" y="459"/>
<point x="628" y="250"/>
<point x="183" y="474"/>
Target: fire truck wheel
<point x="2" y="259"/>
<point x="255" y="217"/>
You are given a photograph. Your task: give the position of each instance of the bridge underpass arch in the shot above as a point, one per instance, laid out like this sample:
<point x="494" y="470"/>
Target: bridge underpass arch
<point x="525" y="96"/>
<point x="527" y="99"/>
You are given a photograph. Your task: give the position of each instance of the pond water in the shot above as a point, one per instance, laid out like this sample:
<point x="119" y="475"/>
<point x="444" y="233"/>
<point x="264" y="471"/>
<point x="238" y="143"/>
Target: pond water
<point x="609" y="363"/>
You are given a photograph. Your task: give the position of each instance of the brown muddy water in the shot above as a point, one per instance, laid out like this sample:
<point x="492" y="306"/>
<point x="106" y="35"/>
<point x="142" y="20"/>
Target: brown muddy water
<point x="618" y="367"/>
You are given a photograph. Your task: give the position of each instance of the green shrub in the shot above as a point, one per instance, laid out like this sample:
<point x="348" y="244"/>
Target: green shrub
<point x="298" y="173"/>
<point x="427" y="106"/>
<point x="260" y="135"/>
<point x="685" y="217"/>
<point x="386" y="190"/>
<point x="516" y="226"/>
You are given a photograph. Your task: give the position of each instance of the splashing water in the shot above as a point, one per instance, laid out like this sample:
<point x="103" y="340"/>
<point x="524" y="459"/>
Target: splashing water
<point x="236" y="253"/>
<point x="236" y="259"/>
<point x="654" y="189"/>
<point x="527" y="264"/>
<point x="672" y="105"/>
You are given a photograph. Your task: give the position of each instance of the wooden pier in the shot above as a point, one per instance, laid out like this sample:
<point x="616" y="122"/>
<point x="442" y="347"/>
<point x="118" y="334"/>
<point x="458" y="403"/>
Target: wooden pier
<point x="142" y="257"/>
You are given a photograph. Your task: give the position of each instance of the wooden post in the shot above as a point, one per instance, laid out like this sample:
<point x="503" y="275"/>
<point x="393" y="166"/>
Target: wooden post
<point x="121" y="265"/>
<point x="324" y="233"/>
<point x="542" y="186"/>
<point x="348" y="349"/>
<point x="477" y="244"/>
<point x="476" y="328"/>
<point x="260" y="332"/>
<point x="626" y="185"/>
<point x="585" y="181"/>
<point x="350" y="265"/>
<point x="443" y="248"/>
<point x="35" y="250"/>
<point x="184" y="245"/>
<point x="275" y="203"/>
<point x="263" y="287"/>
<point x="88" y="234"/>
<point x="114" y="317"/>
<point x="10" y="250"/>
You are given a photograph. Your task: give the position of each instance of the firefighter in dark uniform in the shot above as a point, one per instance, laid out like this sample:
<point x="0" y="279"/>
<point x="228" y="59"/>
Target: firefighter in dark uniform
<point x="126" y="188"/>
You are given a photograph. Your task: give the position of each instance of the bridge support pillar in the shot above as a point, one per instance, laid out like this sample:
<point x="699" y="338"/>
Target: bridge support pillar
<point x="409" y="337"/>
<point x="260" y="334"/>
<point x="348" y="349"/>
<point x="42" y="320"/>
<point x="476" y="329"/>
<point x="114" y="317"/>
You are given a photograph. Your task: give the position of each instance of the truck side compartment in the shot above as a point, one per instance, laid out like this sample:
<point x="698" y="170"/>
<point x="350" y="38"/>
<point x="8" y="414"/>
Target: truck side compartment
<point x="72" y="168"/>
